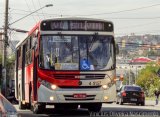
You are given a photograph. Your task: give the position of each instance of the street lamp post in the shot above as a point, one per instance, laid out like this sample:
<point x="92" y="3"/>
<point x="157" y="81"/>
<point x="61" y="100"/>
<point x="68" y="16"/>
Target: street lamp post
<point x="48" y="5"/>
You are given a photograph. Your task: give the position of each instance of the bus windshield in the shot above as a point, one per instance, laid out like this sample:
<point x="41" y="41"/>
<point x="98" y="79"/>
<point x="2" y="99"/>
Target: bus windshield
<point x="88" y="52"/>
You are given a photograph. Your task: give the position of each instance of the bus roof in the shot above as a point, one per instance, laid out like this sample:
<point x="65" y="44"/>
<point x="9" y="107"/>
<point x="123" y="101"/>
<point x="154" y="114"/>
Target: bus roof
<point x="77" y="18"/>
<point x="33" y="29"/>
<point x="64" y="18"/>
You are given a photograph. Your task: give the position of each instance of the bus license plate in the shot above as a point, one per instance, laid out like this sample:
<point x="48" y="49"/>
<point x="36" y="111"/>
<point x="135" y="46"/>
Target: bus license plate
<point x="95" y="83"/>
<point x="79" y="96"/>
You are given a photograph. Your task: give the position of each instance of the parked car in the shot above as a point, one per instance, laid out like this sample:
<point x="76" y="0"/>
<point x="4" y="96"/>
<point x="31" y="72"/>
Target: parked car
<point x="130" y="94"/>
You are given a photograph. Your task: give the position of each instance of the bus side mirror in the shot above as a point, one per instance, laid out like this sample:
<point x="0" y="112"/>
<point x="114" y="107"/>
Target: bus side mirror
<point x="35" y="38"/>
<point x="117" y="49"/>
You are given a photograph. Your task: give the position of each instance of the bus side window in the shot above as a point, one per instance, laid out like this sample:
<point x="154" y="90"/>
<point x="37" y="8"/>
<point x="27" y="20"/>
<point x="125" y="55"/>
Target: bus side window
<point x="19" y="58"/>
<point x="26" y="52"/>
<point x="30" y="51"/>
<point x="34" y="40"/>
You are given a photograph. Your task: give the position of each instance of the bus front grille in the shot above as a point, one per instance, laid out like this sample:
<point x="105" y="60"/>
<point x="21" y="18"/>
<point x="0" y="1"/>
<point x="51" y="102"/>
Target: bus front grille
<point x="79" y="87"/>
<point x="79" y="76"/>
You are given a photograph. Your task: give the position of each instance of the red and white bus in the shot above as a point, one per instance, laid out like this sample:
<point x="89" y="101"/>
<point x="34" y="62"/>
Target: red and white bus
<point x="68" y="63"/>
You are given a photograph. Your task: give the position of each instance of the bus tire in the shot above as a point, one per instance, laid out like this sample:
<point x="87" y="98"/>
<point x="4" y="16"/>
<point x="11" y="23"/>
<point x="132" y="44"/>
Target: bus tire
<point x="35" y="109"/>
<point x="21" y="106"/>
<point x="121" y="102"/>
<point x="30" y="99"/>
<point x="95" y="107"/>
<point x="143" y="104"/>
<point x="38" y="108"/>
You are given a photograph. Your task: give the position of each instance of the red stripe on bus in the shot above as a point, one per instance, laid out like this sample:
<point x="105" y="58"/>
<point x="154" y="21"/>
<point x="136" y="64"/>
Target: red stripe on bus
<point x="49" y="77"/>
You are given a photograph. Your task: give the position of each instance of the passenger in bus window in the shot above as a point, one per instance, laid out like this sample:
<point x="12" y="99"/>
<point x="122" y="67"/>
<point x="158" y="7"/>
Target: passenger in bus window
<point x="50" y="64"/>
<point x="47" y="61"/>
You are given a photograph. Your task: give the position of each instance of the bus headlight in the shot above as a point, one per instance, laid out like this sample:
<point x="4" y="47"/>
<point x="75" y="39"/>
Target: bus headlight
<point x="47" y="84"/>
<point x="53" y="86"/>
<point x="105" y="87"/>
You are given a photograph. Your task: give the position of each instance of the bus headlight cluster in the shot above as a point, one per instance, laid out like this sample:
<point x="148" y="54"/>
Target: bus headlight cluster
<point x="105" y="87"/>
<point x="48" y="84"/>
<point x="53" y="87"/>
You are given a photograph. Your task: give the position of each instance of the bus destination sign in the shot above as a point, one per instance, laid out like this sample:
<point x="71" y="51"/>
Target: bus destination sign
<point x="77" y="26"/>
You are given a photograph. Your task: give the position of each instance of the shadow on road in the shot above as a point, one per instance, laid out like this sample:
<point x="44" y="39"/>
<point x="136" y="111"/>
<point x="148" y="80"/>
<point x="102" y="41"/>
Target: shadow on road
<point x="106" y="111"/>
<point x="57" y="113"/>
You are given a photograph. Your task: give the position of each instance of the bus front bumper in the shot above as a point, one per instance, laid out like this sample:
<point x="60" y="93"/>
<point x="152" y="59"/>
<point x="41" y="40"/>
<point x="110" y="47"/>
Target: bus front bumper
<point x="46" y="95"/>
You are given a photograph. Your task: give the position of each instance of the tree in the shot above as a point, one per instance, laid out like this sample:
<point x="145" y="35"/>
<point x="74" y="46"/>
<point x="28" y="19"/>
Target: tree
<point x="148" y="79"/>
<point x="0" y="58"/>
<point x="9" y="67"/>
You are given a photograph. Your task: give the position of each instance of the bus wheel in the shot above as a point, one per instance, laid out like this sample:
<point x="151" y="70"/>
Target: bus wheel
<point x="21" y="106"/>
<point x="96" y="107"/>
<point x="35" y="109"/>
<point x="38" y="108"/>
<point x="121" y="102"/>
<point x="30" y="99"/>
<point x="143" y="104"/>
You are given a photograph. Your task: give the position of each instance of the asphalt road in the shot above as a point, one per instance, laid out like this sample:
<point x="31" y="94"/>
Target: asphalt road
<point x="108" y="110"/>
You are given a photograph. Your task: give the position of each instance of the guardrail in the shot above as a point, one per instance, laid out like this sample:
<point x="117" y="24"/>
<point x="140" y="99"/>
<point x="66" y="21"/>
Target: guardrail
<point x="6" y="108"/>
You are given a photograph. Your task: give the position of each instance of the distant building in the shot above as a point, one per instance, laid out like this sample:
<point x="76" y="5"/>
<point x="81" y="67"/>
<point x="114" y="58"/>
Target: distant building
<point x="139" y="63"/>
<point x="134" y="64"/>
<point x="124" y="66"/>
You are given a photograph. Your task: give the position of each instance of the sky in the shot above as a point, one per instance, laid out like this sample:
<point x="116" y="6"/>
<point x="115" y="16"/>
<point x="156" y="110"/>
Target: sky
<point x="129" y="16"/>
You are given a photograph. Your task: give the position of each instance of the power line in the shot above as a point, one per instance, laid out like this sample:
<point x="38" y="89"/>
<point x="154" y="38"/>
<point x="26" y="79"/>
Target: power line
<point x="34" y="14"/>
<point x="13" y="49"/>
<point x="141" y="32"/>
<point x="29" y="10"/>
<point x="114" y="12"/>
<point x="138" y="25"/>
<point x="118" y="18"/>
<point x="127" y="10"/>
<point x="136" y="18"/>
<point x="42" y="9"/>
<point x="35" y="8"/>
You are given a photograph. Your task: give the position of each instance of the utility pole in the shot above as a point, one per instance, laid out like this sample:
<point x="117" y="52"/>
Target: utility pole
<point x="5" y="44"/>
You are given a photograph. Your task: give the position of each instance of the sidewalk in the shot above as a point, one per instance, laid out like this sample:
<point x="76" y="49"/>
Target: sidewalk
<point x="6" y="108"/>
<point x="152" y="103"/>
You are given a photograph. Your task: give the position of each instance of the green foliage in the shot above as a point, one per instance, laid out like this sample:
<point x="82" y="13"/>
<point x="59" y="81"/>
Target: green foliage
<point x="0" y="58"/>
<point x="148" y="79"/>
<point x="9" y="66"/>
<point x="10" y="60"/>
